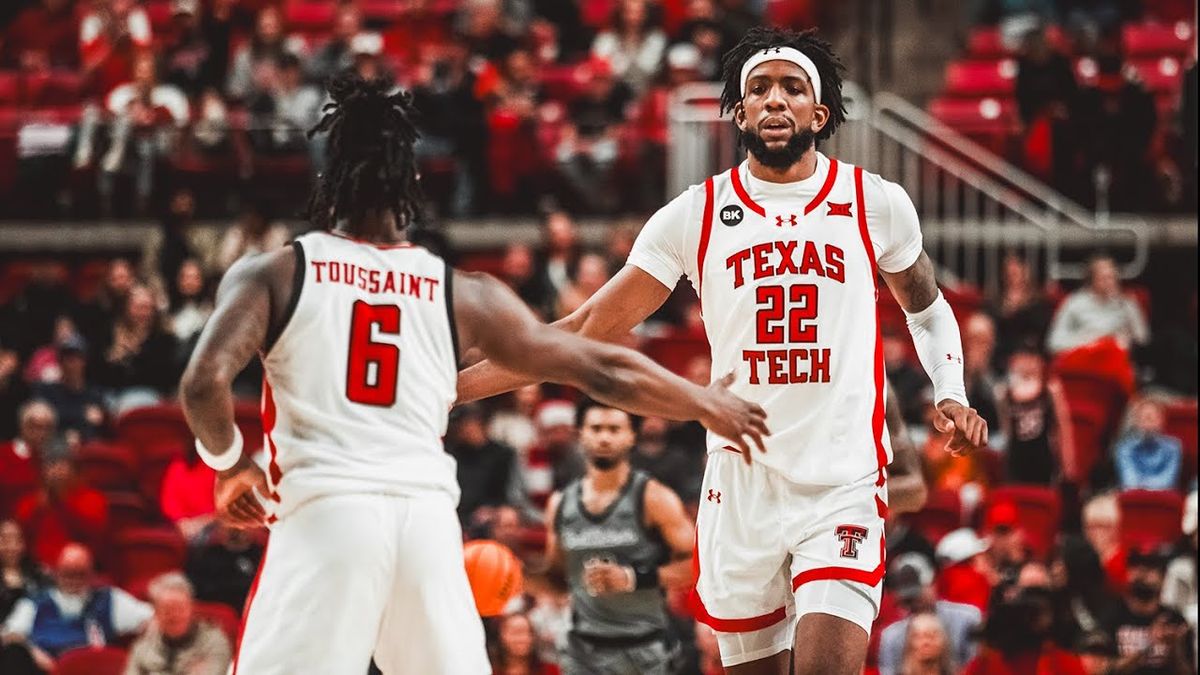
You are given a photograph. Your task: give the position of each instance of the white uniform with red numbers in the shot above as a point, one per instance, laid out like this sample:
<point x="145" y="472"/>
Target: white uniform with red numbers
<point x="365" y="554"/>
<point x="786" y="275"/>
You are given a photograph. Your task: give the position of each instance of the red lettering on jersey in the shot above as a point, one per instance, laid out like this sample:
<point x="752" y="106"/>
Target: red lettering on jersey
<point x="734" y="262"/>
<point x="762" y="268"/>
<point x="374" y="277"/>
<point x="335" y="272"/>
<point x="433" y="284"/>
<point x="786" y="263"/>
<point x="413" y="286"/>
<point x="389" y="282"/>
<point x="812" y="261"/>
<point x="788" y="366"/>
<point x="318" y="267"/>
<point x="834" y="260"/>
<point x="753" y="357"/>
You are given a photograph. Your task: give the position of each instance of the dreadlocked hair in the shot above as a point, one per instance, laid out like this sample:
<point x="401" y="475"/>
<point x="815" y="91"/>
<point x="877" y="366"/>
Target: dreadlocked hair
<point x="829" y="67"/>
<point x="371" y="166"/>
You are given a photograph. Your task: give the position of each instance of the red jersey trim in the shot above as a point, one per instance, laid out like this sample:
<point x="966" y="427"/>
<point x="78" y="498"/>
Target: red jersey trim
<point x="744" y="625"/>
<point x="268" y="422"/>
<point x="736" y="179"/>
<point x="246" y="611"/>
<point x="705" y="233"/>
<point x="830" y="178"/>
<point x="375" y="244"/>
<point x="877" y="417"/>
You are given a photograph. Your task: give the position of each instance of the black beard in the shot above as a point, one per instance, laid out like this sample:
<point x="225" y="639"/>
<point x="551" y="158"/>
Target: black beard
<point x="800" y="143"/>
<point x="604" y="463"/>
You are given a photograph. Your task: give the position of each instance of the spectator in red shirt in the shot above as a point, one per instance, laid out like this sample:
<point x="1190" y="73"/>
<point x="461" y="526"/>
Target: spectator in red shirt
<point x="63" y="510"/>
<point x="21" y="457"/>
<point x="187" y="494"/>
<point x="109" y="37"/>
<point x="42" y="37"/>
<point x="967" y="575"/>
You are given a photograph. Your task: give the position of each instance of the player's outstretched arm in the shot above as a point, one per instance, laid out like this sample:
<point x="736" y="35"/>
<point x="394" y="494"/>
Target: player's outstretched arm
<point x="248" y="303"/>
<point x="939" y="346"/>
<point x="622" y="303"/>
<point x="492" y="318"/>
<point x="906" y="481"/>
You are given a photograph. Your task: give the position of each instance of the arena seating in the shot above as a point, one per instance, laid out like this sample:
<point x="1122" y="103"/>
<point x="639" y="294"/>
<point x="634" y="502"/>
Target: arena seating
<point x="142" y="553"/>
<point x="1150" y="518"/>
<point x="91" y="661"/>
<point x="1039" y="510"/>
<point x="108" y="466"/>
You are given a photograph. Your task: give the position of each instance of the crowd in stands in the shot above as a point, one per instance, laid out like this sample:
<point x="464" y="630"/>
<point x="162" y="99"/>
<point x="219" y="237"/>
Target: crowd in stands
<point x="109" y="105"/>
<point x="1097" y="98"/>
<point x="1079" y="502"/>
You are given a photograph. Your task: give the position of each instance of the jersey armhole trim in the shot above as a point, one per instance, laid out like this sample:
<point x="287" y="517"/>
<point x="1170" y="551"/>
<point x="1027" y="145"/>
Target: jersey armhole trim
<point x="293" y="301"/>
<point x="639" y="497"/>
<point x="450" y="313"/>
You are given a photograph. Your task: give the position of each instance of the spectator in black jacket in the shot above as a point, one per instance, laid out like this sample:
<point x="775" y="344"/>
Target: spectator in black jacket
<point x="487" y="471"/>
<point x="139" y="355"/>
<point x="1045" y="91"/>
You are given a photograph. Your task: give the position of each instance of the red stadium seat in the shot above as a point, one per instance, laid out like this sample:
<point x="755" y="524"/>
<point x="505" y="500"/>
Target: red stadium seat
<point x="1181" y="423"/>
<point x="91" y="661"/>
<point x="981" y="78"/>
<point x="88" y="278"/>
<point x="1156" y="39"/>
<point x="941" y="515"/>
<point x="107" y="466"/>
<point x="1039" y="510"/>
<point x="143" y="428"/>
<point x="310" y="16"/>
<point x="55" y="88"/>
<point x="985" y="42"/>
<point x="248" y="417"/>
<point x="1150" y="518"/>
<point x="1163" y="75"/>
<point x="126" y="510"/>
<point x="160" y="14"/>
<point x="145" y="552"/>
<point x="10" y="88"/>
<point x="677" y="351"/>
<point x="222" y="616"/>
<point x="989" y="121"/>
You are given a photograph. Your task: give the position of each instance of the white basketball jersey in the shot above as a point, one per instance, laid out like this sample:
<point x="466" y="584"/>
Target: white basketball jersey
<point x="786" y="275"/>
<point x="361" y="379"/>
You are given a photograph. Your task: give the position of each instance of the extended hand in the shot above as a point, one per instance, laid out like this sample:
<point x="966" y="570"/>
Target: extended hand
<point x="237" y="504"/>
<point x="732" y="418"/>
<point x="970" y="431"/>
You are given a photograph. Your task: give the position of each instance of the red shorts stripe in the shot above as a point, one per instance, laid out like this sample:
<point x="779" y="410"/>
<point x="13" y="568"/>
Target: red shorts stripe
<point x="701" y="614"/>
<point x="877" y="416"/>
<point x="246" y="611"/>
<point x="871" y="578"/>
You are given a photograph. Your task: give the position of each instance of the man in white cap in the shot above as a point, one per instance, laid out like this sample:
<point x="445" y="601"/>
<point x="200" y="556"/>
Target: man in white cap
<point x="784" y="252"/>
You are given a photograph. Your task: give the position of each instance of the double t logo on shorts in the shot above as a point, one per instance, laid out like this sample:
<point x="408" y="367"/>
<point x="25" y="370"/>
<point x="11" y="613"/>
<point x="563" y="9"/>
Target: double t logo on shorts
<point x="851" y="536"/>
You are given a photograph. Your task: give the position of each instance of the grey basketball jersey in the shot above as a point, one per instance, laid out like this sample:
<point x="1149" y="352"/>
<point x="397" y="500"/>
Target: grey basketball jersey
<point x="620" y="535"/>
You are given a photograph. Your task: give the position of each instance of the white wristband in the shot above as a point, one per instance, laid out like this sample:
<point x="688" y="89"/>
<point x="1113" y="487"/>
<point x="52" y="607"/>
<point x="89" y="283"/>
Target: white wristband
<point x="226" y="459"/>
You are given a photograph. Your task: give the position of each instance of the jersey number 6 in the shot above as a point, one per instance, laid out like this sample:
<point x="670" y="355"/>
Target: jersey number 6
<point x="364" y="384"/>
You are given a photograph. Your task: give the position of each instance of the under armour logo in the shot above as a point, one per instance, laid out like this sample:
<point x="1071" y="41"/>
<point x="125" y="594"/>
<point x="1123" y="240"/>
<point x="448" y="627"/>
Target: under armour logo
<point x="772" y="50"/>
<point x="839" y="209"/>
<point x="955" y="359"/>
<point x="791" y="219"/>
<point x="714" y="496"/>
<point x="851" y="536"/>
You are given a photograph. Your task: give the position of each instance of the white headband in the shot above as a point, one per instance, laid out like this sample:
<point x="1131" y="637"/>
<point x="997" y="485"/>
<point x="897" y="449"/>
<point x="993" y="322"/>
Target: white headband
<point x="791" y="55"/>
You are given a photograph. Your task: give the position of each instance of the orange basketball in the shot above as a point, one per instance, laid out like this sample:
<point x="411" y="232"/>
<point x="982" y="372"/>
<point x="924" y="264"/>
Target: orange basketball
<point x="494" y="573"/>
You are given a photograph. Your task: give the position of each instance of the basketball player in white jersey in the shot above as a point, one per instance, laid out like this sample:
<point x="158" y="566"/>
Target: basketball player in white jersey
<point x="360" y="334"/>
<point x="784" y="252"/>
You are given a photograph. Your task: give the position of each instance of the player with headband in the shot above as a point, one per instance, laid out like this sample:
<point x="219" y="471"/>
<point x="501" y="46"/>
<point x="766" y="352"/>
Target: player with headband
<point x="784" y="252"/>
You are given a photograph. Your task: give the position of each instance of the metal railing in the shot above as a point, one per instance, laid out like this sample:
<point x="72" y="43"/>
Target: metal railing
<point x="974" y="206"/>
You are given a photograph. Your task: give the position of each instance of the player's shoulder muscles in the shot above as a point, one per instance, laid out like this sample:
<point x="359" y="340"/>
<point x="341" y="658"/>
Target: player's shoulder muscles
<point x="274" y="277"/>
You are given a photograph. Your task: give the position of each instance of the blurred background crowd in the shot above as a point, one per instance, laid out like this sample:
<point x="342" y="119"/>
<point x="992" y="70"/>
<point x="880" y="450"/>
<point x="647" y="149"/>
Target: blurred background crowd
<point x="1069" y="545"/>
